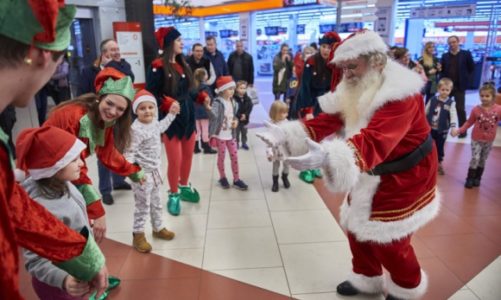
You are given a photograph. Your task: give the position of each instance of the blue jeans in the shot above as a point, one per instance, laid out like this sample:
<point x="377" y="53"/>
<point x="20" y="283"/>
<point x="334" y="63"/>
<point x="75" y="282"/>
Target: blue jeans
<point x="106" y="177"/>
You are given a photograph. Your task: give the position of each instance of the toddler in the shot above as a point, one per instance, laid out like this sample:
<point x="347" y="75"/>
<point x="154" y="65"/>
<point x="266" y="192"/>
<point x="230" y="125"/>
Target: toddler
<point x="201" y="118"/>
<point x="244" y="104"/>
<point x="441" y="114"/>
<point x="484" y="118"/>
<point x="278" y="114"/>
<point x="145" y="150"/>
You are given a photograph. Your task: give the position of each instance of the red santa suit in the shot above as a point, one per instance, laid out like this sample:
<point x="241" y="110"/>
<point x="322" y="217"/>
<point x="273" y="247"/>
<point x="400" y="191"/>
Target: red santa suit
<point x="382" y="212"/>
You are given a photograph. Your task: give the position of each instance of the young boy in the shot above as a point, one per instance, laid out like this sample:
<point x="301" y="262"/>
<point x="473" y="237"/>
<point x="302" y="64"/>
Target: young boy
<point x="441" y="114"/>
<point x="145" y="150"/>
<point x="244" y="104"/>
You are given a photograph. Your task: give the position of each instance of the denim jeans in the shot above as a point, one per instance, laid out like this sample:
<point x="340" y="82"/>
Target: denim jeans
<point x="106" y="177"/>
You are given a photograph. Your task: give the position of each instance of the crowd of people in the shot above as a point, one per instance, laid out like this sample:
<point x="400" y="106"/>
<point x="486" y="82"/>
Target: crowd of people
<point x="333" y="116"/>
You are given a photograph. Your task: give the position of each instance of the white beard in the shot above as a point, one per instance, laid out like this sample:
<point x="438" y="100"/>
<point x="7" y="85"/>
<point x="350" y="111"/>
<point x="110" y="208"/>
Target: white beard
<point x="355" y="98"/>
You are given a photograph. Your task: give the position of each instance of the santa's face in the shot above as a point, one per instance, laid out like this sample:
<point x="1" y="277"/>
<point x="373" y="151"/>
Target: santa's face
<point x="354" y="70"/>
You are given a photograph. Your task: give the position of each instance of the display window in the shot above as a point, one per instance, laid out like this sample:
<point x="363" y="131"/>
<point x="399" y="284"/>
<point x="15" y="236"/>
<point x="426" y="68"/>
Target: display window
<point x="188" y="27"/>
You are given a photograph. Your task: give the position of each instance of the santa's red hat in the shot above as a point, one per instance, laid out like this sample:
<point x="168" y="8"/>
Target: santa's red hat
<point x="143" y="96"/>
<point x="329" y="38"/>
<point x="359" y="43"/>
<point x="224" y="83"/>
<point x="165" y="36"/>
<point x="43" y="151"/>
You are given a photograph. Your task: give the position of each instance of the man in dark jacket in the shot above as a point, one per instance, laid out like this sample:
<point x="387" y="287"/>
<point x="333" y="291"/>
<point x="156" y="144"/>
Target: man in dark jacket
<point x="215" y="56"/>
<point x="110" y="57"/>
<point x="458" y="65"/>
<point x="240" y="65"/>
<point x="197" y="60"/>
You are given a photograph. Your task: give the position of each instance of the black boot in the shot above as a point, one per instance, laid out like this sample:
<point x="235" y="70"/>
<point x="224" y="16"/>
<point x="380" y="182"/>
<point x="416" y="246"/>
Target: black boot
<point x="390" y="297"/>
<point x="207" y="148"/>
<point x="285" y="180"/>
<point x="274" y="187"/>
<point x="469" y="179"/>
<point x="478" y="176"/>
<point x="197" y="149"/>
<point x="345" y="288"/>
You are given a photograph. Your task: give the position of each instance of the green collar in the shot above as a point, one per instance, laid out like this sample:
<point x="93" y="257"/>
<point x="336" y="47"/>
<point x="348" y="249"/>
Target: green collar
<point x="4" y="138"/>
<point x="94" y="134"/>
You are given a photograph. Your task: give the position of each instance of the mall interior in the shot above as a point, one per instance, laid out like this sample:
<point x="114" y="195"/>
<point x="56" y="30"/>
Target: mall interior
<point x="258" y="244"/>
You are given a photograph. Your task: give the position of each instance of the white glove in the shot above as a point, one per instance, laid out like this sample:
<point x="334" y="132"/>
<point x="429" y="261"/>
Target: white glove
<point x="274" y="136"/>
<point x="316" y="157"/>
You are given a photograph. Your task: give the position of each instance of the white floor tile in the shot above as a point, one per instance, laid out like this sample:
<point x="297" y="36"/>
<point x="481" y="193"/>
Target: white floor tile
<point x="299" y="197"/>
<point x="238" y="213"/>
<point x="254" y="193"/>
<point x="272" y="279"/>
<point x="487" y="284"/>
<point x="465" y="295"/>
<point x="336" y="296"/>
<point x="306" y="227"/>
<point x="316" y="267"/>
<point x="241" y="248"/>
<point x="192" y="257"/>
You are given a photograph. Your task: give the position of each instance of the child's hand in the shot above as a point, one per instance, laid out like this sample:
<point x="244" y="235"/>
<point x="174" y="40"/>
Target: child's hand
<point x="175" y="108"/>
<point x="74" y="287"/>
<point x="309" y="117"/>
<point x="234" y="123"/>
<point x="454" y="132"/>
<point x="242" y="118"/>
<point x="207" y="102"/>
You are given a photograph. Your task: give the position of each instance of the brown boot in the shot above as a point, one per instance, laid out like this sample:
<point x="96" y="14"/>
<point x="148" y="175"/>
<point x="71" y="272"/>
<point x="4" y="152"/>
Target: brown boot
<point x="140" y="243"/>
<point x="164" y="234"/>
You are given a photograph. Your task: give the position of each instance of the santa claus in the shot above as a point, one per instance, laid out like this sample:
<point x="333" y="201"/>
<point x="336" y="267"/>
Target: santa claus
<point x="380" y="153"/>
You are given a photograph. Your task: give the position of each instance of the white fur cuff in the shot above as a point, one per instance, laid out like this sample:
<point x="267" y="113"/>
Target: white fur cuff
<point x="369" y="285"/>
<point x="295" y="136"/>
<point x="341" y="171"/>
<point x="403" y="293"/>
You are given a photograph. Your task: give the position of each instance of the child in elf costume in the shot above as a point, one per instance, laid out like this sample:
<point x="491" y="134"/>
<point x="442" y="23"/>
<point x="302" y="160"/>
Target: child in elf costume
<point x="91" y="118"/>
<point x="145" y="151"/>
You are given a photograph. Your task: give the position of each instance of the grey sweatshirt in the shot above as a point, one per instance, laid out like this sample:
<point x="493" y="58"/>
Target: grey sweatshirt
<point x="72" y="211"/>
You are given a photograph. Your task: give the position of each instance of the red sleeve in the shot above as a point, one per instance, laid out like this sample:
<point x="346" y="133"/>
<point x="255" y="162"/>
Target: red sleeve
<point x="387" y="128"/>
<point x="35" y="228"/>
<point x="67" y="118"/>
<point x="323" y="125"/>
<point x="470" y="121"/>
<point x="112" y="158"/>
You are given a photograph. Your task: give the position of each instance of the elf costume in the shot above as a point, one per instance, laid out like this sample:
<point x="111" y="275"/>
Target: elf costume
<point x="74" y="118"/>
<point x="23" y="222"/>
<point x="179" y="138"/>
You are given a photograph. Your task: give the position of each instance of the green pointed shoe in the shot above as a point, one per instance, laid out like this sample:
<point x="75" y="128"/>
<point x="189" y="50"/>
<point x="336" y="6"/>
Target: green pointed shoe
<point x="306" y="176"/>
<point x="317" y="173"/>
<point x="113" y="282"/>
<point x="189" y="194"/>
<point x="173" y="204"/>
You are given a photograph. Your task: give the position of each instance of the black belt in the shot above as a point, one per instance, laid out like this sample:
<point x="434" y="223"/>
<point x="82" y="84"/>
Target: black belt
<point x="405" y="162"/>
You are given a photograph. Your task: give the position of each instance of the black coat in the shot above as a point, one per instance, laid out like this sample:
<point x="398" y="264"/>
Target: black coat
<point x="466" y="66"/>
<point x="247" y="66"/>
<point x="88" y="75"/>
<point x="244" y="105"/>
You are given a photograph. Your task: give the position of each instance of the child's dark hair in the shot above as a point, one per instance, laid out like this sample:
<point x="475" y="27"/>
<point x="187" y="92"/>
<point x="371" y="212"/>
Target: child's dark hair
<point x="488" y="87"/>
<point x="241" y="82"/>
<point x="52" y="188"/>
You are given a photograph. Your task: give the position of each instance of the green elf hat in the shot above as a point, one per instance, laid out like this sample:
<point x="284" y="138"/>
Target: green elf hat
<point x="44" y="24"/>
<point x="111" y="81"/>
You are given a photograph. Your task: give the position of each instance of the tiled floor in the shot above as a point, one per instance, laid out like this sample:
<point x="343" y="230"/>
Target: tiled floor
<point x="289" y="244"/>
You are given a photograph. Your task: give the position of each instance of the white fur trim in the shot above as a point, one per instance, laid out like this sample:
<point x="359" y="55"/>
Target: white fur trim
<point x="19" y="175"/>
<point x="361" y="43"/>
<point x="226" y="86"/>
<point x="72" y="153"/>
<point x="355" y="217"/>
<point x="403" y="293"/>
<point x="369" y="285"/>
<point x="144" y="98"/>
<point x="398" y="84"/>
<point x="341" y="172"/>
<point x="295" y="136"/>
